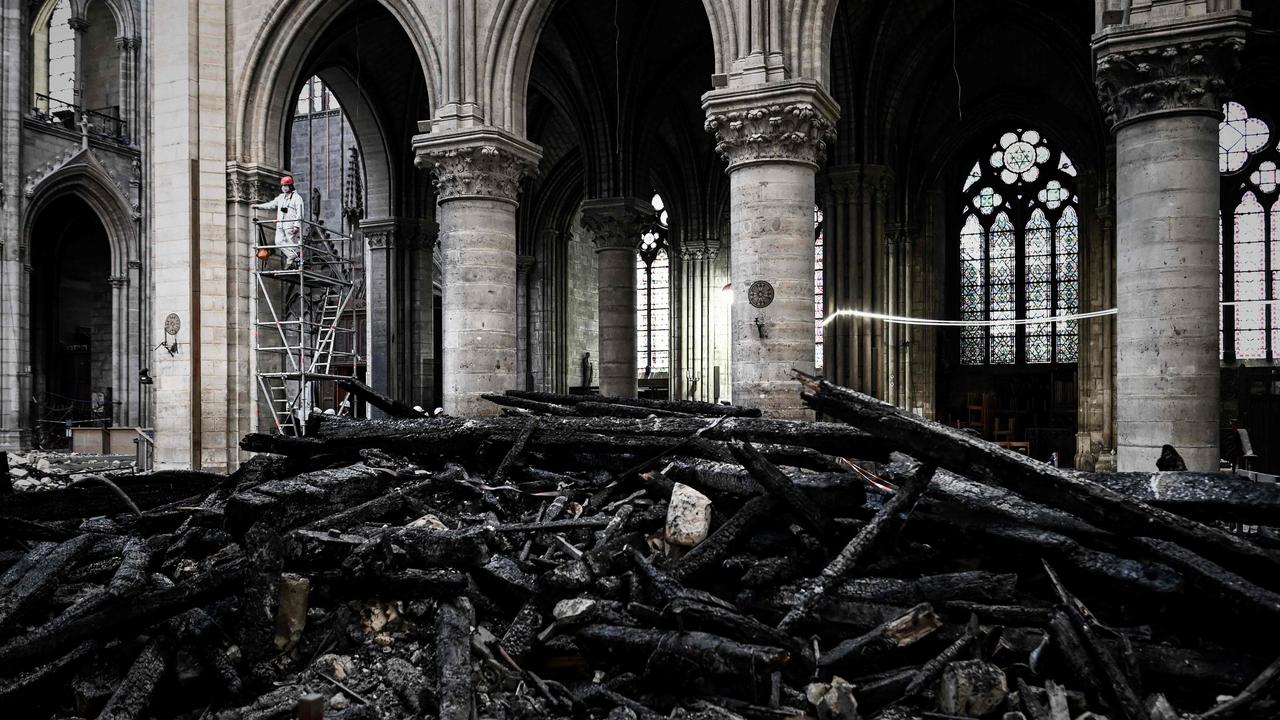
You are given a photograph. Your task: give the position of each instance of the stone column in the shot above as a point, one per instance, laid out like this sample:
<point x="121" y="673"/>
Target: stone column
<point x="128" y="47"/>
<point x="1160" y="86"/>
<point x="421" y="320"/>
<point x="773" y="137"/>
<point x="380" y="283"/>
<point x="80" y="24"/>
<point x="478" y="174"/>
<point x="615" y="225"/>
<point x="15" y="364"/>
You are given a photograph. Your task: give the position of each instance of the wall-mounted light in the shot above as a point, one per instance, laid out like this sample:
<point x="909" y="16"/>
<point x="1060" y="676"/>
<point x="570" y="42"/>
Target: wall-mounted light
<point x="144" y="377"/>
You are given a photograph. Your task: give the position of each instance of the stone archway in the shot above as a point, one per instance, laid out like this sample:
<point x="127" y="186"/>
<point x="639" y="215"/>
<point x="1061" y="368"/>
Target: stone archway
<point x="79" y="322"/>
<point x="348" y="46"/>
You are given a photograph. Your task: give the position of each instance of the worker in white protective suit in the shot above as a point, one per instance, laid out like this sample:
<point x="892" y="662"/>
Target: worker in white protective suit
<point x="288" y="207"/>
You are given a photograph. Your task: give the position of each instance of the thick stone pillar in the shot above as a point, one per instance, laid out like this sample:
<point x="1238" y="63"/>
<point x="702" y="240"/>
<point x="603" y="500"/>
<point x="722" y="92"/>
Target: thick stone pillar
<point x="478" y="176"/>
<point x="1161" y="86"/>
<point x="615" y="225"/>
<point x="15" y="363"/>
<point x="773" y="137"/>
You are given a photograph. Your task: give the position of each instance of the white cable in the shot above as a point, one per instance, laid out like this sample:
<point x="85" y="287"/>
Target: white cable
<point x="928" y="322"/>
<point x="902" y="320"/>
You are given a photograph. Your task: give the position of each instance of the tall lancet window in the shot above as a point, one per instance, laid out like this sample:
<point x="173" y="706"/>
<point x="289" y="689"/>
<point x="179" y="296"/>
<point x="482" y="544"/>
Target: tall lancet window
<point x="1249" y="250"/>
<point x="1019" y="249"/>
<point x="653" y="299"/>
<point x="819" y="290"/>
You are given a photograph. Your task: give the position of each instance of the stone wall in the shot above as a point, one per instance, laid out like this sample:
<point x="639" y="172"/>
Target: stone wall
<point x="582" y="296"/>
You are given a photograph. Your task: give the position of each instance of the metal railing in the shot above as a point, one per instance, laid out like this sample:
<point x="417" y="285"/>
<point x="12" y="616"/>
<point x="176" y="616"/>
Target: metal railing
<point x="309" y="340"/>
<point x="102" y="122"/>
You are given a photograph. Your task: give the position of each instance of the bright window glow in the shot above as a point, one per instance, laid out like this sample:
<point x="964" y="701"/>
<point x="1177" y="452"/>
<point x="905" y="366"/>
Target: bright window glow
<point x="1250" y="222"/>
<point x="653" y="299"/>
<point x="62" y="54"/>
<point x="1019" y="246"/>
<point x="819" y="289"/>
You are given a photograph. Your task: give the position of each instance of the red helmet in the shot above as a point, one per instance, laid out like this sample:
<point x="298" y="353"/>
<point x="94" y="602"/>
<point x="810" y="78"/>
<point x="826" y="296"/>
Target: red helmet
<point x="287" y="180"/>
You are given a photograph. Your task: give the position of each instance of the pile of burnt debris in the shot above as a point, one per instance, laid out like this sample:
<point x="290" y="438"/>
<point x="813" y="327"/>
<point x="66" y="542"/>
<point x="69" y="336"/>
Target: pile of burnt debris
<point x="597" y="558"/>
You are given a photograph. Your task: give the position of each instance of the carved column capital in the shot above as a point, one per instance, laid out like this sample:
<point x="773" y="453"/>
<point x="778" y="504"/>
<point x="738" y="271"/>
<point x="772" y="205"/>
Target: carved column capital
<point x="616" y="223"/>
<point x="1166" y="68"/>
<point x="78" y="23"/>
<point x="786" y="122"/>
<point x="699" y="249"/>
<point x="483" y="163"/>
<point x="118" y="281"/>
<point x="251" y="183"/>
<point x="387" y="233"/>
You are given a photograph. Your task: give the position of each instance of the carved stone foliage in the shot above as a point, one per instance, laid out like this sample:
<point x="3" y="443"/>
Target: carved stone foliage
<point x="251" y="184"/>
<point x="387" y="234"/>
<point x="700" y="249"/>
<point x="1178" y="78"/>
<point x="616" y="223"/>
<point x="475" y="171"/>
<point x="794" y="132"/>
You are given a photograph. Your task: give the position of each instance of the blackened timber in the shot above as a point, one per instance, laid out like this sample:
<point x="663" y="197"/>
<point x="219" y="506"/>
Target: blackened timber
<point x="32" y="681"/>
<point x="781" y="487"/>
<point x="977" y="585"/>
<point x="131" y="576"/>
<point x="1243" y="705"/>
<point x="691" y="407"/>
<point x="991" y="464"/>
<point x="517" y="449"/>
<point x="1220" y="584"/>
<point x="525" y="404"/>
<point x="147" y="491"/>
<point x="717" y="545"/>
<point x="41" y="579"/>
<point x="712" y="654"/>
<point x="910" y="627"/>
<point x="595" y="409"/>
<point x="388" y="405"/>
<point x="133" y="695"/>
<point x="883" y="525"/>
<point x="1121" y="692"/>
<point x="1203" y="496"/>
<point x="929" y="673"/>
<point x="453" y="658"/>
<point x="124" y="616"/>
<point x="425" y="434"/>
<point x="288" y="502"/>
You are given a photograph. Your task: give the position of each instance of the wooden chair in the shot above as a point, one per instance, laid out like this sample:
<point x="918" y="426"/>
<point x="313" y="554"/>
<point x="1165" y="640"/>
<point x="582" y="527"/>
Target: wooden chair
<point x="1005" y="430"/>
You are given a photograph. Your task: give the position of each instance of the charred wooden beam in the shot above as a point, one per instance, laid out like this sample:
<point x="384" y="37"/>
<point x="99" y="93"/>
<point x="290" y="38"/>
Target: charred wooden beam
<point x="453" y="659"/>
<point x="390" y="406"/>
<point x="991" y="464"/>
<point x="883" y="525"/>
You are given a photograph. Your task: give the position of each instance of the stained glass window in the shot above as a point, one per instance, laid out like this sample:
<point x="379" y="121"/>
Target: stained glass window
<point x="1248" y="251"/>
<point x="653" y="298"/>
<point x="819" y="290"/>
<point x="1019" y="246"/>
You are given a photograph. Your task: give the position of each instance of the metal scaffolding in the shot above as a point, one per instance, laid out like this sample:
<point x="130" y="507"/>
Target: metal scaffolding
<point x="306" y="329"/>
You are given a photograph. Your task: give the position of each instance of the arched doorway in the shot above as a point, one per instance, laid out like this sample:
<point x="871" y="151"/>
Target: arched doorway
<point x="72" y="354"/>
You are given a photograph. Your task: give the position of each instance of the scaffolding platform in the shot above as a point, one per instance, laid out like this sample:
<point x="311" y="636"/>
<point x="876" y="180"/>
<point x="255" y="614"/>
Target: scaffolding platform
<point x="306" y="333"/>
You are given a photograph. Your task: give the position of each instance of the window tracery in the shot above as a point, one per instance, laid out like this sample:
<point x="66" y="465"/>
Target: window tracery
<point x="1248" y="250"/>
<point x="1019" y="248"/>
<point x="653" y="298"/>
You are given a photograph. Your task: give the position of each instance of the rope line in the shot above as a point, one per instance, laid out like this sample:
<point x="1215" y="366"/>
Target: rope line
<point x="930" y="322"/>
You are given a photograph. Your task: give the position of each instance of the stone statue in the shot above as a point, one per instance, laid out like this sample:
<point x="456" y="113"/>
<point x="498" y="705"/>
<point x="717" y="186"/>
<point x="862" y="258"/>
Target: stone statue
<point x="586" y="370"/>
<point x="289" y="210"/>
